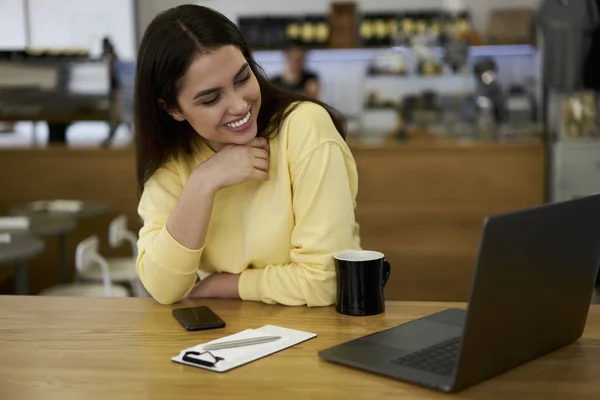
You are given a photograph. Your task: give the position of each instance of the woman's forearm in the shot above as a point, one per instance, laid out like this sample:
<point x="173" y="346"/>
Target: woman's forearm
<point x="190" y="218"/>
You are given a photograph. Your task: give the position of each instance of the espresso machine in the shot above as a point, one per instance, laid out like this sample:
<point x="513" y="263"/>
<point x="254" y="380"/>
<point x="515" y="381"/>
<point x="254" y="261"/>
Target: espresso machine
<point x="488" y="97"/>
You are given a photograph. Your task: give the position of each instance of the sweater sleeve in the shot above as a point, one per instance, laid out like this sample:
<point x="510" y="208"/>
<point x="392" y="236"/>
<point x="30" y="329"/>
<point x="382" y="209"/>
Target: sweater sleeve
<point x="166" y="268"/>
<point x="324" y="187"/>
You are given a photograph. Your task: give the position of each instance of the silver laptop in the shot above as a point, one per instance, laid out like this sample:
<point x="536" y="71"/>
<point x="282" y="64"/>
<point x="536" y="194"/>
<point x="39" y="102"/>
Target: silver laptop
<point x="530" y="295"/>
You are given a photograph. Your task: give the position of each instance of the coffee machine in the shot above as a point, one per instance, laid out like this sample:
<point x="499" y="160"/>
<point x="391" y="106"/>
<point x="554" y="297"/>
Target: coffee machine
<point x="488" y="97"/>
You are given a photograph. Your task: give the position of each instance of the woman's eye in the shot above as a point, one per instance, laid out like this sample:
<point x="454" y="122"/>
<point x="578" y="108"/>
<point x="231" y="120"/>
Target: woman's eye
<point x="211" y="101"/>
<point x="243" y="79"/>
<point x="240" y="81"/>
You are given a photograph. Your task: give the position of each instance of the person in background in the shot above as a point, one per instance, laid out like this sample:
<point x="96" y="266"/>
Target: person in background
<point x="57" y="131"/>
<point x="244" y="186"/>
<point x="109" y="55"/>
<point x="295" y="77"/>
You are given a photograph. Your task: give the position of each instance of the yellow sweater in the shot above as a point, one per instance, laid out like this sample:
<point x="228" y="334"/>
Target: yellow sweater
<point x="280" y="235"/>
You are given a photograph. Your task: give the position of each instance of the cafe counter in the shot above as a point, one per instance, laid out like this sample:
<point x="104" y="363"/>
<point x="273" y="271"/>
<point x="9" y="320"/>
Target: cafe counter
<point x="422" y="203"/>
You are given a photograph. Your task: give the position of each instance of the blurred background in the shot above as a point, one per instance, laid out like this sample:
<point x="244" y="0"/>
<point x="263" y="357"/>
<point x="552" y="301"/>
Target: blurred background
<point x="456" y="109"/>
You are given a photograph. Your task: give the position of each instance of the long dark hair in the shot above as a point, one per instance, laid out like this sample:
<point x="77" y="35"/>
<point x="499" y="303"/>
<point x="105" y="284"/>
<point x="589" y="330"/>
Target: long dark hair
<point x="172" y="41"/>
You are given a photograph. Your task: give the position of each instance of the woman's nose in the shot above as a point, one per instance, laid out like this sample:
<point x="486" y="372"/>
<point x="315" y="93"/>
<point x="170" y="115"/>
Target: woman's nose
<point x="238" y="105"/>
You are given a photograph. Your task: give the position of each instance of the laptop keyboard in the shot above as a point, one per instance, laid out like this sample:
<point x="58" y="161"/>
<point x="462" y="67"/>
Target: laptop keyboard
<point x="439" y="359"/>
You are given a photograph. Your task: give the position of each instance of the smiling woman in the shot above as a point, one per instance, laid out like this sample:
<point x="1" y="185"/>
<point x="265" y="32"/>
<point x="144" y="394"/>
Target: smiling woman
<point x="245" y="186"/>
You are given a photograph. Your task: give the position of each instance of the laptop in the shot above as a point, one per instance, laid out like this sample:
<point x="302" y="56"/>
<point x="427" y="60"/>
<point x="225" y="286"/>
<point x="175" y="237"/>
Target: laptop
<point x="530" y="295"/>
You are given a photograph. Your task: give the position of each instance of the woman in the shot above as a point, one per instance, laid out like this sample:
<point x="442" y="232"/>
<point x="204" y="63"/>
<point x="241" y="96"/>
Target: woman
<point x="296" y="78"/>
<point x="250" y="188"/>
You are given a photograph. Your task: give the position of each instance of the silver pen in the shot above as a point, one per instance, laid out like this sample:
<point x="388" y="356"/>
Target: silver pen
<point x="240" y="343"/>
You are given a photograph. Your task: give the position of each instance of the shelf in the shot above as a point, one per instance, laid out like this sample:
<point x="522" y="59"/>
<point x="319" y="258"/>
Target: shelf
<point x="367" y="53"/>
<point x="512" y="49"/>
<point x="380" y="109"/>
<point x="416" y="76"/>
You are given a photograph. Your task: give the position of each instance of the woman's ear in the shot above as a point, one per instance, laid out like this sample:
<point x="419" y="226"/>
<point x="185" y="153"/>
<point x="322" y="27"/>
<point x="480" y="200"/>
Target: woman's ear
<point x="175" y="114"/>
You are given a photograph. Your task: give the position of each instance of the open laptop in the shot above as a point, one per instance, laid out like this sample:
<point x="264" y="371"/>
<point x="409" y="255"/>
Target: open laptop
<point x="530" y="295"/>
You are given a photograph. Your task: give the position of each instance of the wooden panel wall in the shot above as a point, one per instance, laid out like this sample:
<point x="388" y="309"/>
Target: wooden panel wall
<point x="422" y="204"/>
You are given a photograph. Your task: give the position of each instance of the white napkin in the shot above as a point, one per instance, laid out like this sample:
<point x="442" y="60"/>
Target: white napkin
<point x="38" y="205"/>
<point x="15" y="223"/>
<point x="65" y="205"/>
<point x="57" y="205"/>
<point x="4" y="237"/>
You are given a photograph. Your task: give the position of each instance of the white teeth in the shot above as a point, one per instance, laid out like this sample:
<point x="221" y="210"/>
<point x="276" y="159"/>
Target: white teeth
<point x="240" y="122"/>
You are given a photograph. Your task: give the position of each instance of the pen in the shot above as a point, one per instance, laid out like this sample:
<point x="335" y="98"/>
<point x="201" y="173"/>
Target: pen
<point x="239" y="343"/>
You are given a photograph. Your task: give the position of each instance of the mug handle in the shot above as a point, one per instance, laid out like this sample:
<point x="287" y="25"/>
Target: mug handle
<point x="386" y="272"/>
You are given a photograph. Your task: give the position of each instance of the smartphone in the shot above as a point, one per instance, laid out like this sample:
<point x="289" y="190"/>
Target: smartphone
<point x="198" y="318"/>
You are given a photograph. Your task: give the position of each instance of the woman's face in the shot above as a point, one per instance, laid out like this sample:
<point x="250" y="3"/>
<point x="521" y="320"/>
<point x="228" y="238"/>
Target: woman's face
<point x="220" y="98"/>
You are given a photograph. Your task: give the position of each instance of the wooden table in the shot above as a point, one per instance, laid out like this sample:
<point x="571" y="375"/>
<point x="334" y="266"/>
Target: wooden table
<point x="88" y="210"/>
<point x="61" y="348"/>
<point x="19" y="251"/>
<point x="48" y="225"/>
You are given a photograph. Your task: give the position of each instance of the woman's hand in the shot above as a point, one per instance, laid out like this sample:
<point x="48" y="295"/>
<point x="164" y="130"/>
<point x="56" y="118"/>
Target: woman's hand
<point x="235" y="164"/>
<point x="222" y="286"/>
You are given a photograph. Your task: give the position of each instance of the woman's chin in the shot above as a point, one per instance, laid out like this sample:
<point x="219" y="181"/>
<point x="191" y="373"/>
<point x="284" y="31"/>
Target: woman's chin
<point x="241" y="138"/>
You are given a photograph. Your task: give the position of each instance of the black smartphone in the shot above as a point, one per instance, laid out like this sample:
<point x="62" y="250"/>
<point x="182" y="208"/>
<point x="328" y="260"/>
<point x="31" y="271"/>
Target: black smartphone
<point x="198" y="318"/>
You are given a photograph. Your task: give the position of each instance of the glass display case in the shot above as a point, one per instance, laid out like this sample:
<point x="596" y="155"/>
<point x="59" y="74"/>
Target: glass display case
<point x="493" y="96"/>
<point x="58" y="90"/>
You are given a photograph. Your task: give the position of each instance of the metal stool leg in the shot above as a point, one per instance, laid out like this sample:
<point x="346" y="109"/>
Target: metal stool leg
<point x="21" y="278"/>
<point x="62" y="268"/>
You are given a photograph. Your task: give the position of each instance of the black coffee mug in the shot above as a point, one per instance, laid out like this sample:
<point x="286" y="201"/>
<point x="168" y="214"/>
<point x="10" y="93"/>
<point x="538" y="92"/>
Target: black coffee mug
<point x="361" y="277"/>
